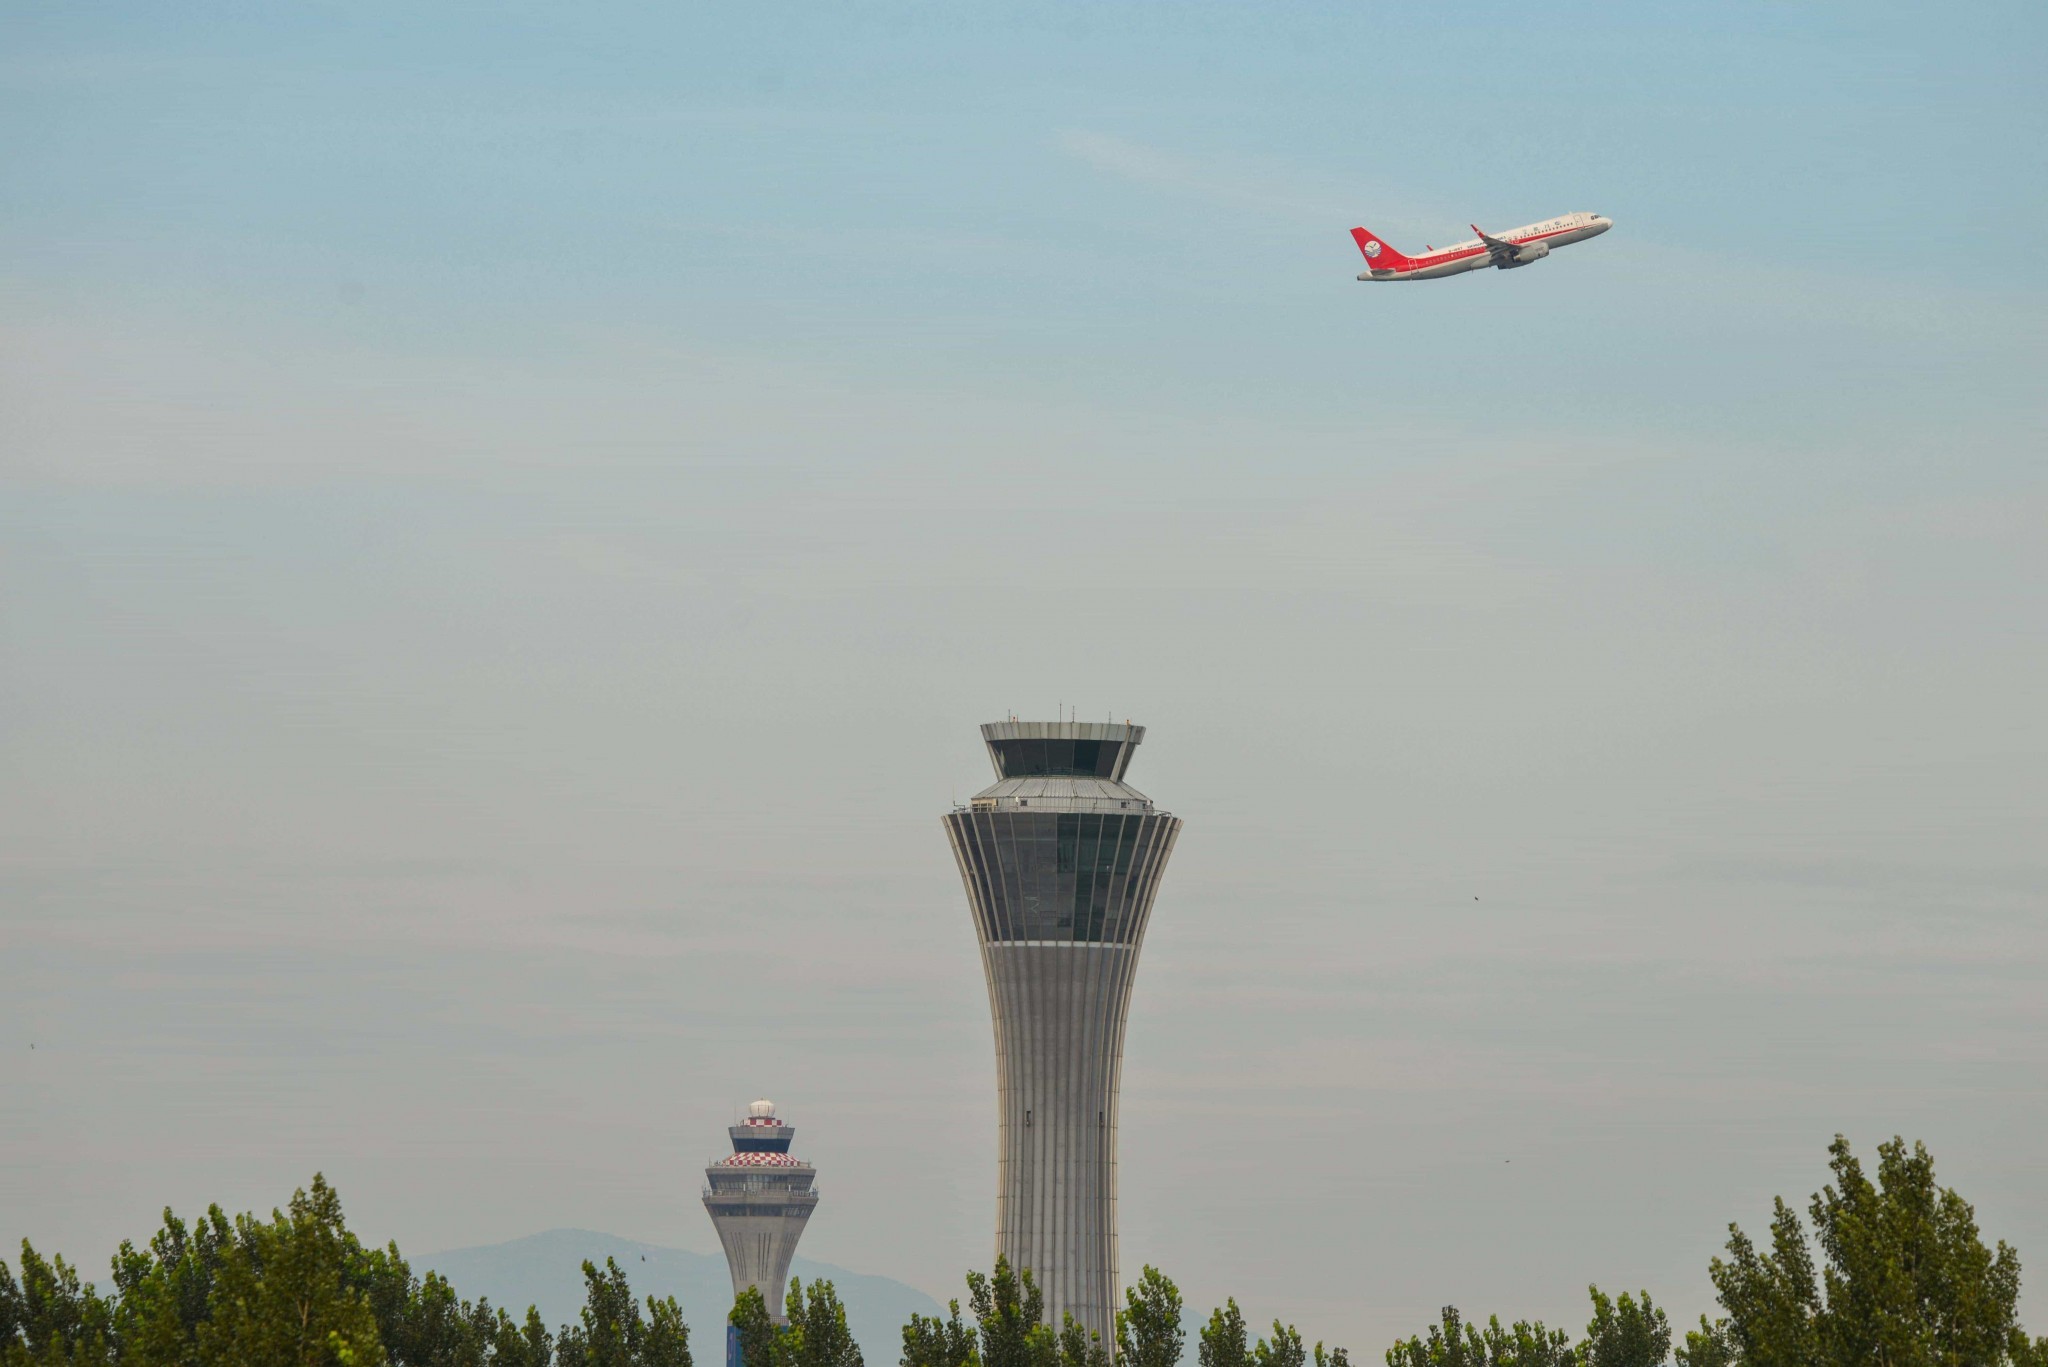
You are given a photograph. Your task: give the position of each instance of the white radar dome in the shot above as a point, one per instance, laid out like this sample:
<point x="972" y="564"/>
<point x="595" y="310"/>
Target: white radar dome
<point x="761" y="1110"/>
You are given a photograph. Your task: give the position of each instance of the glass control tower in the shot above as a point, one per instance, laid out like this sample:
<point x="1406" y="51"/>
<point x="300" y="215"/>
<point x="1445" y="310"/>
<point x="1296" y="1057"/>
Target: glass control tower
<point x="1061" y="860"/>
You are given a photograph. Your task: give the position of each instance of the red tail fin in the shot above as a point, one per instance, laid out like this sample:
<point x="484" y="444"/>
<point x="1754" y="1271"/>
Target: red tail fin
<point x="1380" y="255"/>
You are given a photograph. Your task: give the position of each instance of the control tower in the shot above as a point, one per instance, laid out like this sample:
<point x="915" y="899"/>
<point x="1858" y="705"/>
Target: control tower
<point x="760" y="1198"/>
<point x="1061" y="859"/>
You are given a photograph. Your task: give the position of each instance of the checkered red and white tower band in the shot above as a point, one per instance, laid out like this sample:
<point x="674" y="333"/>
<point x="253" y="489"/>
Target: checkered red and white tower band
<point x="760" y="1199"/>
<point x="1061" y="860"/>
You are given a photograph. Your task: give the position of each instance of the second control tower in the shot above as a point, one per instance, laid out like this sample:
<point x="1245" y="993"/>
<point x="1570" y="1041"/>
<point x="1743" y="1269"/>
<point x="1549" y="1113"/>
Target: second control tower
<point x="1061" y="860"/>
<point x="760" y="1199"/>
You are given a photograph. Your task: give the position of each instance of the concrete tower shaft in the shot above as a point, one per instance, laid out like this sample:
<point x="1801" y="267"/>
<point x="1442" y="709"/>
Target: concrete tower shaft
<point x="1061" y="860"/>
<point x="760" y="1199"/>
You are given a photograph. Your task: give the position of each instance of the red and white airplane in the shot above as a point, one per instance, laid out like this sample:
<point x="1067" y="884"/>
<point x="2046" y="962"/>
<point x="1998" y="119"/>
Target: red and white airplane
<point x="1515" y="247"/>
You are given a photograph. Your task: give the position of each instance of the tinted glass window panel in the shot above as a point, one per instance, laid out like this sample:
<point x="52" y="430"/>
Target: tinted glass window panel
<point x="1030" y="758"/>
<point x="1041" y="878"/>
<point x="1010" y="850"/>
<point x="1127" y="841"/>
<point x="1069" y="839"/>
<point x="1100" y="914"/>
<point x="1088" y="839"/>
<point x="997" y="889"/>
<point x="1118" y="835"/>
<point x="1021" y="758"/>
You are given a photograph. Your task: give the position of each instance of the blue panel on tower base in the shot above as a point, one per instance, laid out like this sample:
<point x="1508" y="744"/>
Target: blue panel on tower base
<point x="733" y="1356"/>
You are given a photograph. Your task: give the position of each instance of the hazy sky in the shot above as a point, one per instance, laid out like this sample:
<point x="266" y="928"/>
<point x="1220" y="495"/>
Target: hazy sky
<point x="510" y="517"/>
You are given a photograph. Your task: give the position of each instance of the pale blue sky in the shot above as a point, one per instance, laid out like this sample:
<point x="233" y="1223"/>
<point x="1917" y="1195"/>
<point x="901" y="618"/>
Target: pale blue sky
<point x="509" y="519"/>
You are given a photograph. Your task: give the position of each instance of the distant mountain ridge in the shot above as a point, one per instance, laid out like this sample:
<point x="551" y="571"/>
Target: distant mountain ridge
<point x="546" y="1271"/>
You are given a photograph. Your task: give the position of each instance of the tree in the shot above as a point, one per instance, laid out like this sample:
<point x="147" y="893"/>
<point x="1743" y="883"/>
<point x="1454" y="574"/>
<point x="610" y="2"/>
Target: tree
<point x="167" y="1292"/>
<point x="667" y="1340"/>
<point x="1285" y="1349"/>
<point x="612" y="1332"/>
<point x="52" y="1318"/>
<point x="1450" y="1344"/>
<point x="166" y="1289"/>
<point x="1148" y="1331"/>
<point x="1906" y="1282"/>
<point x="1010" y="1311"/>
<point x="1080" y="1346"/>
<point x="1453" y="1343"/>
<point x="300" y="1288"/>
<point x="1336" y="1357"/>
<point x="424" y="1323"/>
<point x="817" y="1335"/>
<point x="760" y="1338"/>
<point x="11" y="1311"/>
<point x="1223" y="1338"/>
<point x="1625" y="1333"/>
<point x="522" y="1345"/>
<point x="933" y="1342"/>
<point x="281" y="1297"/>
<point x="1526" y="1344"/>
<point x="1707" y="1346"/>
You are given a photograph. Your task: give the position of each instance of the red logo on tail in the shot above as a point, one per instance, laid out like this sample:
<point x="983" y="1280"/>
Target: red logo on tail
<point x="1379" y="255"/>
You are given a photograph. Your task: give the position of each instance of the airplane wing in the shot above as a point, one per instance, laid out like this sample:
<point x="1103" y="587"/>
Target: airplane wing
<point x="1495" y="248"/>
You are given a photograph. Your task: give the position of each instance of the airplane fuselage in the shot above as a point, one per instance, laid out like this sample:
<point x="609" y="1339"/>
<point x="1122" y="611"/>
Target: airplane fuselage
<point x="1504" y="251"/>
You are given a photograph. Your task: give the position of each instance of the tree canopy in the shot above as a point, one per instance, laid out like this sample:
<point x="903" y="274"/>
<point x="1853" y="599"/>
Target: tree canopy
<point x="300" y="1290"/>
<point x="1893" y="1273"/>
<point x="929" y="1341"/>
<point x="1010" y="1312"/>
<point x="1902" y="1280"/>
<point x="1148" y="1329"/>
<point x="1454" y="1343"/>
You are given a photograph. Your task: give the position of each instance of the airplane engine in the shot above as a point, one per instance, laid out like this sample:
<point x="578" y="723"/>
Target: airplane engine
<point x="1533" y="251"/>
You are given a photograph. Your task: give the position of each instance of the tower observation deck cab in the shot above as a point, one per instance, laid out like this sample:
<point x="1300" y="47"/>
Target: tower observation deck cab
<point x="759" y="1199"/>
<point x="1061" y="860"/>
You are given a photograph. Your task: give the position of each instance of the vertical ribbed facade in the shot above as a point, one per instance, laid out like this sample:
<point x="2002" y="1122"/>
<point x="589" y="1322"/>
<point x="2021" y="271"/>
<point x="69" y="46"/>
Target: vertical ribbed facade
<point x="1061" y="861"/>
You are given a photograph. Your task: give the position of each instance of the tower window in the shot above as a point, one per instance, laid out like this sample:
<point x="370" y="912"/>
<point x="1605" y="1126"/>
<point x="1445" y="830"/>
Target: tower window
<point x="1081" y="758"/>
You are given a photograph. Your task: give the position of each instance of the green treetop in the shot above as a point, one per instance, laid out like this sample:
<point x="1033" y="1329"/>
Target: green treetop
<point x="1625" y="1333"/>
<point x="817" y="1335"/>
<point x="612" y="1332"/>
<point x="1905" y="1280"/>
<point x="1010" y="1310"/>
<point x="1148" y="1331"/>
<point x="1223" y="1338"/>
<point x="929" y="1341"/>
<point x="1080" y="1346"/>
<point x="1454" y="1343"/>
<point x="283" y="1296"/>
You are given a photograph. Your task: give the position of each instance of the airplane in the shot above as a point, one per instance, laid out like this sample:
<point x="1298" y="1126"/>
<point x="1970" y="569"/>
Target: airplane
<point x="1515" y="247"/>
